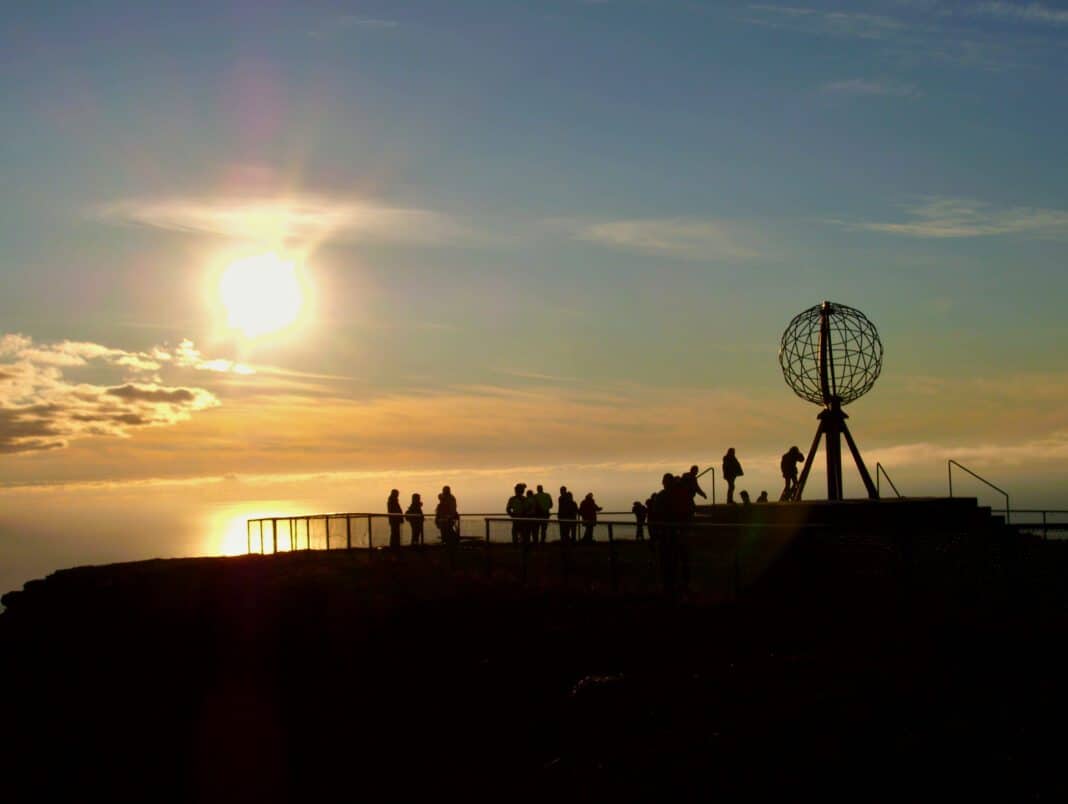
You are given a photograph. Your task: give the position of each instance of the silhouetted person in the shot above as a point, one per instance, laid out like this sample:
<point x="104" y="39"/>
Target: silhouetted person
<point x="690" y="481"/>
<point x="669" y="511"/>
<point x="640" y="513"/>
<point x="763" y="497"/>
<point x="732" y="470"/>
<point x="414" y="515"/>
<point x="588" y="509"/>
<point x="568" y="514"/>
<point x="543" y="505"/>
<point x="530" y="511"/>
<point x="745" y="497"/>
<point x="515" y="508"/>
<point x="446" y="516"/>
<point x="396" y="517"/>
<point x="788" y="465"/>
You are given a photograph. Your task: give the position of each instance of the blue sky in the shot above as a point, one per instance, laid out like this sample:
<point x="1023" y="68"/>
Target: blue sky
<point x="592" y="219"/>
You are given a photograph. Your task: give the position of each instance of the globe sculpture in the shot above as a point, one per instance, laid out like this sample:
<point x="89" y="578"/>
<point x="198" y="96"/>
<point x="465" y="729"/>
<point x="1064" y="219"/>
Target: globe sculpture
<point x="831" y="355"/>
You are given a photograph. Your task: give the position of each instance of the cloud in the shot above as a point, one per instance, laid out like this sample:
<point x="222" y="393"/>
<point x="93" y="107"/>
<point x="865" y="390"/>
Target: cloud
<point x="1025" y="12"/>
<point x="835" y="23"/>
<point x="343" y="23"/>
<point x="862" y="86"/>
<point x="42" y="409"/>
<point x="152" y="394"/>
<point x="302" y="219"/>
<point x="676" y="237"/>
<point x="961" y="217"/>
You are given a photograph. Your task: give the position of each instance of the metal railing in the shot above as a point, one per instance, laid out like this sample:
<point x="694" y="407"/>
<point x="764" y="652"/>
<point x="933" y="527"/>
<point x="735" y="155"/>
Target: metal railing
<point x="949" y="468"/>
<point x="881" y="470"/>
<point x="612" y="552"/>
<point x="1040" y="519"/>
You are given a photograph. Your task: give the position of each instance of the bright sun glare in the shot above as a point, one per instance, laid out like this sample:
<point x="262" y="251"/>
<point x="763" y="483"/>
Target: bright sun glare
<point x="261" y="294"/>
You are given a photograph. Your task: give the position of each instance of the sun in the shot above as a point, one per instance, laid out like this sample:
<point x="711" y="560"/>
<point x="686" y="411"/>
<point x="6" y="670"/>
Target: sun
<point x="261" y="294"/>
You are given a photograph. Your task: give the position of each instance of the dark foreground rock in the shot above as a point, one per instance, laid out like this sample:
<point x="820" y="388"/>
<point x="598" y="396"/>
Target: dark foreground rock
<point x="329" y="676"/>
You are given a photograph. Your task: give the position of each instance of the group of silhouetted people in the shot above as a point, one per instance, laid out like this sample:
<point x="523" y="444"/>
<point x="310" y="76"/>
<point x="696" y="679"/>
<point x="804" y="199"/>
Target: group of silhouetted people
<point x="531" y="510"/>
<point x="668" y="508"/>
<point x="732" y="470"/>
<point x="446" y="517"/>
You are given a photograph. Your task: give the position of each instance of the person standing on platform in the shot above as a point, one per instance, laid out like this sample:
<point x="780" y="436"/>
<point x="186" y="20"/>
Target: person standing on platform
<point x="732" y="470"/>
<point x="414" y="515"/>
<point x="396" y="517"/>
<point x="514" y="508"/>
<point x="588" y="509"/>
<point x="640" y="513"/>
<point x="447" y="516"/>
<point x="530" y="512"/>
<point x="567" y="514"/>
<point x="788" y="465"/>
<point x="543" y="505"/>
<point x="692" y="486"/>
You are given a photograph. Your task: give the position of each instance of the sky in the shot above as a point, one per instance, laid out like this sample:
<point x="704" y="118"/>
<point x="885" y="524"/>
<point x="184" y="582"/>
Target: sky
<point x="272" y="257"/>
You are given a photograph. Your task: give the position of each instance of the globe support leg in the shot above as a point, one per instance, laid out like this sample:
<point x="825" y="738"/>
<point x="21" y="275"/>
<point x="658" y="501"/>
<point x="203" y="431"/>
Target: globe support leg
<point x="800" y="487"/>
<point x="868" y="484"/>
<point x="832" y="424"/>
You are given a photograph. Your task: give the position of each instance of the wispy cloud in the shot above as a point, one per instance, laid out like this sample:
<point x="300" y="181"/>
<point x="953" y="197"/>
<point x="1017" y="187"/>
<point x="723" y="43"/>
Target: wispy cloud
<point x="962" y="217"/>
<point x="1025" y="12"/>
<point x="696" y="239"/>
<point x="864" y="86"/>
<point x="835" y="23"/>
<point x="346" y="23"/>
<point x="303" y="219"/>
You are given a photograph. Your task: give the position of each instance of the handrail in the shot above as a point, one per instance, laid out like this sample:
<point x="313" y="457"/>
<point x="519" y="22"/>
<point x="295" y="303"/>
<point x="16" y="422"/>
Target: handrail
<point x="1045" y="524"/>
<point x="880" y="469"/>
<point x="949" y="468"/>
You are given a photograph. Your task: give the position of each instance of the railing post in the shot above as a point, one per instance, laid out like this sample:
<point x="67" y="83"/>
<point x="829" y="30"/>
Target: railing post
<point x="326" y="525"/>
<point x="488" y="552"/>
<point x="612" y="559"/>
<point x="307" y="530"/>
<point x="949" y="468"/>
<point x="563" y="554"/>
<point x="1045" y="536"/>
<point x="261" y="538"/>
<point x="524" y="548"/>
<point x="292" y="530"/>
<point x="348" y="532"/>
<point x="713" y="485"/>
<point x="274" y="535"/>
<point x="370" y="536"/>
<point x="248" y="536"/>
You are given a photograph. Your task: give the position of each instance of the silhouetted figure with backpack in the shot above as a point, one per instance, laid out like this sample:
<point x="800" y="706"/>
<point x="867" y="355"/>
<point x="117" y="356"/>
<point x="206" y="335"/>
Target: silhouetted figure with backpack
<point x="788" y="465"/>
<point x="543" y="505"/>
<point x="763" y="498"/>
<point x="588" y="509"/>
<point x="732" y="470"/>
<point x="446" y="517"/>
<point x="414" y="515"/>
<point x="640" y="513"/>
<point x="396" y="518"/>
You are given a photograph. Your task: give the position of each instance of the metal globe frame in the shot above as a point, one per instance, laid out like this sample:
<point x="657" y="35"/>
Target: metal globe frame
<point x="831" y="355"/>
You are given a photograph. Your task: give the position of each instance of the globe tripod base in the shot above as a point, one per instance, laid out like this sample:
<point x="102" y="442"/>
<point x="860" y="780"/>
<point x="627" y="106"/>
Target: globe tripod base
<point x="833" y="426"/>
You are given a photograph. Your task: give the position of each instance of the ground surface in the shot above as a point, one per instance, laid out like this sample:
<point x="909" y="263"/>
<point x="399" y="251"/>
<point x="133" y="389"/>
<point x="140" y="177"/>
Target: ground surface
<point x="314" y="675"/>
